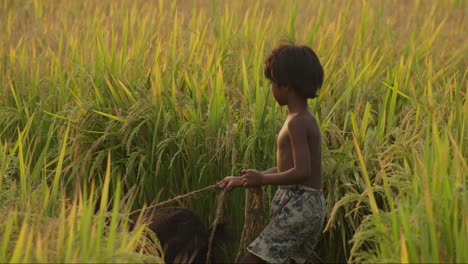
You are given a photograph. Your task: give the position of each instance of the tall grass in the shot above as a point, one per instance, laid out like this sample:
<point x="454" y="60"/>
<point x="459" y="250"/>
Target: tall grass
<point x="164" y="97"/>
<point x="45" y="227"/>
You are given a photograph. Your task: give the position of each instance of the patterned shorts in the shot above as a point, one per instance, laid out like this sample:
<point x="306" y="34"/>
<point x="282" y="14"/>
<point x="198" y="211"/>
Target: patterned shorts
<point x="297" y="214"/>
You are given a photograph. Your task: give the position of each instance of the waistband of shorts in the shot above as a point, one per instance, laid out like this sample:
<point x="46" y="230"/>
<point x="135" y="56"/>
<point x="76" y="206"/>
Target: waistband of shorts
<point x="300" y="187"/>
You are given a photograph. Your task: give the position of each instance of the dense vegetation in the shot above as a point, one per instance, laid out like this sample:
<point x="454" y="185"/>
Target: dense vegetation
<point x="138" y="101"/>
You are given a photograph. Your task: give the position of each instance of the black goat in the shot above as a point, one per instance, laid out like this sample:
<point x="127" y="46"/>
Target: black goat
<point x="182" y="234"/>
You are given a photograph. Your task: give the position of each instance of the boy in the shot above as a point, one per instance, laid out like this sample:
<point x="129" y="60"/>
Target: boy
<point x="297" y="211"/>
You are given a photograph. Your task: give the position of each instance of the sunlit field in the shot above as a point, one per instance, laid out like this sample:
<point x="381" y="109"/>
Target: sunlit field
<point x="135" y="102"/>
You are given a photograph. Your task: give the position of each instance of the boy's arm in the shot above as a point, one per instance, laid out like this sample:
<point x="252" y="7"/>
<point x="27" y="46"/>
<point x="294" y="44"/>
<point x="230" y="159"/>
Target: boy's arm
<point x="301" y="157"/>
<point x="271" y="170"/>
<point x="230" y="182"/>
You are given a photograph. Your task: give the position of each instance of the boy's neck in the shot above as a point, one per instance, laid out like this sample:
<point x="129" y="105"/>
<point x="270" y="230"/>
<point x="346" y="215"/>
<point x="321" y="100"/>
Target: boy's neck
<point x="297" y="105"/>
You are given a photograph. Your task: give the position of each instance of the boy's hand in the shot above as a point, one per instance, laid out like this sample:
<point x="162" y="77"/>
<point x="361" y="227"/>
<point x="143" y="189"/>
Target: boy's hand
<point x="252" y="177"/>
<point x="230" y="182"/>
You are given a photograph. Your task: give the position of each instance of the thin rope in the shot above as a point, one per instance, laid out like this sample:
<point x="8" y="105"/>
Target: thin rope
<point x="219" y="213"/>
<point x="178" y="198"/>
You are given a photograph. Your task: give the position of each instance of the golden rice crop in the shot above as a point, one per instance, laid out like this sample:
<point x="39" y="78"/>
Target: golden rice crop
<point x="151" y="99"/>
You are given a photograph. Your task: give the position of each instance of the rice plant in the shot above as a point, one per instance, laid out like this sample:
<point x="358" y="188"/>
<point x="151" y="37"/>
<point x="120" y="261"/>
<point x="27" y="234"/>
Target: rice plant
<point x="151" y="99"/>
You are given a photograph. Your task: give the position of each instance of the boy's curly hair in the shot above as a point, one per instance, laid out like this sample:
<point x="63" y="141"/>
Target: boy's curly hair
<point x="295" y="66"/>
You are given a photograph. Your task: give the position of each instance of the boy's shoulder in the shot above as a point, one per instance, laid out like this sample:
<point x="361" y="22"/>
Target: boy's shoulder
<point x="304" y="122"/>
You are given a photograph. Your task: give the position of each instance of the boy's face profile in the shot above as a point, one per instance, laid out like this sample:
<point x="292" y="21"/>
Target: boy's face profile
<point x="280" y="93"/>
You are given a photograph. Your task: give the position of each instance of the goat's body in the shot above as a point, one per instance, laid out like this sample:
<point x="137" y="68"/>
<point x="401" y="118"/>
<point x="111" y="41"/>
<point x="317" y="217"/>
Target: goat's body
<point x="181" y="233"/>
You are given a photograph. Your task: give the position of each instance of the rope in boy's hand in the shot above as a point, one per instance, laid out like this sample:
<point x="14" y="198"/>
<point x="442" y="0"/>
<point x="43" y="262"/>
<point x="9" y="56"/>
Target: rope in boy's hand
<point x="179" y="197"/>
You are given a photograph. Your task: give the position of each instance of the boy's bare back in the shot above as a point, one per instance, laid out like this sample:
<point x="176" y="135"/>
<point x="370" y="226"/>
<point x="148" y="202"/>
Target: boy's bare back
<point x="300" y="134"/>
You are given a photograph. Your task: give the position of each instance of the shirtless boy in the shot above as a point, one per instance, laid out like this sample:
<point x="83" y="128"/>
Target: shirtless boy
<point x="297" y="210"/>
